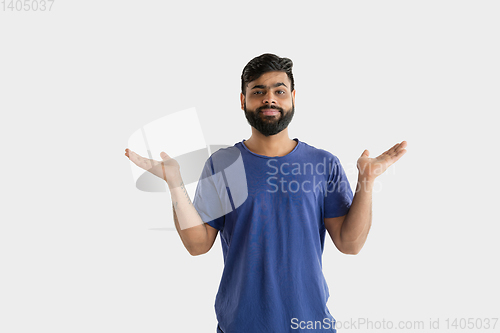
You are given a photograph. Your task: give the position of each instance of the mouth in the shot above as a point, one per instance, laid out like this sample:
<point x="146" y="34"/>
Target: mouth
<point x="269" y="112"/>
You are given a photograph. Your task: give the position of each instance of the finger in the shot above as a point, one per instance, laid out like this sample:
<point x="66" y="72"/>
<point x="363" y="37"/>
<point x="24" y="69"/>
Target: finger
<point x="396" y="148"/>
<point x="164" y="156"/>
<point x="137" y="159"/>
<point x="398" y="155"/>
<point x="393" y="149"/>
<point x="140" y="161"/>
<point x="132" y="154"/>
<point x="366" y="153"/>
<point x="128" y="153"/>
<point x="388" y="152"/>
<point x="403" y="145"/>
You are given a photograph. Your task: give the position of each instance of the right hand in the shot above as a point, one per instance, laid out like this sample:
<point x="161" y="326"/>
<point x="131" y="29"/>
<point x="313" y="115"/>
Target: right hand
<point x="168" y="169"/>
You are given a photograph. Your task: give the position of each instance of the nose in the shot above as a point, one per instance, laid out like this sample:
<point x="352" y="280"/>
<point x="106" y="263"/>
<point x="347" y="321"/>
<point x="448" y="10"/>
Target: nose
<point x="269" y="98"/>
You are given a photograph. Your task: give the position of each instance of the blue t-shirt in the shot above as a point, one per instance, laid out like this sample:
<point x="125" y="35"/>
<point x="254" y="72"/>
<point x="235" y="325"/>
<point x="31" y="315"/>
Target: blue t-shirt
<point x="270" y="211"/>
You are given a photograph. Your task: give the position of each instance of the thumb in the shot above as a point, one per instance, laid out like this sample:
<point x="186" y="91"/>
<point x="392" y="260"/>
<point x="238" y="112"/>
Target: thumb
<point x="164" y="155"/>
<point x="366" y="153"/>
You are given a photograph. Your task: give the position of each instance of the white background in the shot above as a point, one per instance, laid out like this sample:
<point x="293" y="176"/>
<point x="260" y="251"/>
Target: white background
<point x="80" y="249"/>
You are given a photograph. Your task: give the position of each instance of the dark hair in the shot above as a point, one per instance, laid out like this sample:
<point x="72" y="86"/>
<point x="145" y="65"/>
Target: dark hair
<point x="264" y="63"/>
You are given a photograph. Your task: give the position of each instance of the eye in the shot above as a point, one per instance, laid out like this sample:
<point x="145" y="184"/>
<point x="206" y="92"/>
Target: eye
<point x="257" y="92"/>
<point x="280" y="92"/>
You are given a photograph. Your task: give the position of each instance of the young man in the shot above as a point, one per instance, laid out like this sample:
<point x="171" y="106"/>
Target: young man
<point x="274" y="216"/>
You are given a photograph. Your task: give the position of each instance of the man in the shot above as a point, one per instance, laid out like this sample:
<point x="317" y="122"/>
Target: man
<point x="273" y="240"/>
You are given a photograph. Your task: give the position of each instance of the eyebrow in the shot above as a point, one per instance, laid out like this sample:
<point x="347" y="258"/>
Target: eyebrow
<point x="261" y="86"/>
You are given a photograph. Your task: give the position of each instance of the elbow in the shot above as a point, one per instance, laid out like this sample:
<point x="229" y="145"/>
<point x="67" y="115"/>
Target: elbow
<point x="352" y="247"/>
<point x="351" y="250"/>
<point x="195" y="254"/>
<point x="196" y="251"/>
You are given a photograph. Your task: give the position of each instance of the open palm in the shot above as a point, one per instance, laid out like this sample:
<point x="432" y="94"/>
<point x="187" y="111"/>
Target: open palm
<point x="370" y="168"/>
<point x="167" y="169"/>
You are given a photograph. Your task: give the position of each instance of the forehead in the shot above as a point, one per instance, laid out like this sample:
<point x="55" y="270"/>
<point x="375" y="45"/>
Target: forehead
<point x="271" y="78"/>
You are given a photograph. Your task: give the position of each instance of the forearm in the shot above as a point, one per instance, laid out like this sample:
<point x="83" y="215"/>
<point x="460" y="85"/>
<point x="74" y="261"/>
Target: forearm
<point x="188" y="223"/>
<point x="357" y="223"/>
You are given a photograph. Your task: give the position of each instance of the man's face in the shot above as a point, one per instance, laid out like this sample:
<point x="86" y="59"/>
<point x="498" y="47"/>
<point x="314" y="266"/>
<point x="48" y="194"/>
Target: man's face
<point x="269" y="103"/>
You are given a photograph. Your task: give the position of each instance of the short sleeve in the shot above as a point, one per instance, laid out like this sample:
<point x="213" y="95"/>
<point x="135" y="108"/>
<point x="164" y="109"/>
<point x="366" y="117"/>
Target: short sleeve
<point x="207" y="200"/>
<point x="338" y="196"/>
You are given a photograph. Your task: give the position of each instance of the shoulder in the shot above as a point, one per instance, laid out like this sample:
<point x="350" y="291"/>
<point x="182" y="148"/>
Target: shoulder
<point x="224" y="157"/>
<point x="318" y="153"/>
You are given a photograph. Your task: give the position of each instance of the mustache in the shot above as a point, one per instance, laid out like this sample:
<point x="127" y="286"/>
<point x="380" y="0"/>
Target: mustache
<point x="270" y="107"/>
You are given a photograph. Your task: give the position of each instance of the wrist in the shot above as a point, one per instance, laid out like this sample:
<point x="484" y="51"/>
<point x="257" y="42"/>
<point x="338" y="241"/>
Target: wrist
<point x="174" y="181"/>
<point x="365" y="182"/>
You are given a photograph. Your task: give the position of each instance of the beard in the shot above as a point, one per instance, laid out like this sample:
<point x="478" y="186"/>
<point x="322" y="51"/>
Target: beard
<point x="269" y="125"/>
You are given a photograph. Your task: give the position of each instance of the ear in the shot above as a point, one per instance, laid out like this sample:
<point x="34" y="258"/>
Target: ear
<point x="293" y="96"/>
<point x="242" y="100"/>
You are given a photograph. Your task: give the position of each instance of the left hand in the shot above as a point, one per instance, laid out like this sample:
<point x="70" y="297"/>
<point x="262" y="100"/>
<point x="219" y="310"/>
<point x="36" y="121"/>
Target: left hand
<point x="371" y="168"/>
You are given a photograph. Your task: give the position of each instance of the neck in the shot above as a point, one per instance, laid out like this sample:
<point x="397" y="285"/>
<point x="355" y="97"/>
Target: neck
<point x="274" y="145"/>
